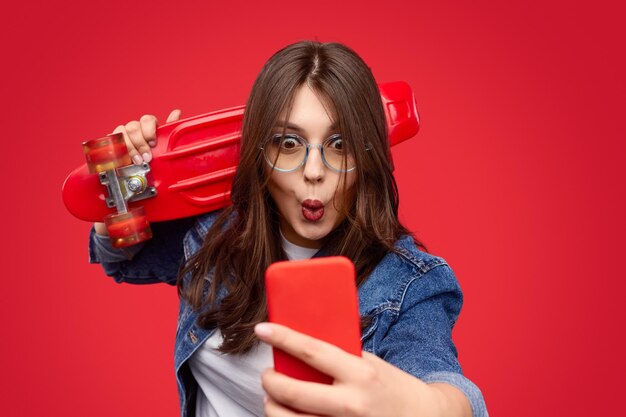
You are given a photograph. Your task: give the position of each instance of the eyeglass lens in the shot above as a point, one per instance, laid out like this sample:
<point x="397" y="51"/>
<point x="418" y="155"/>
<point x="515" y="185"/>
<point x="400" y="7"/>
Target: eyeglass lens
<point x="287" y="152"/>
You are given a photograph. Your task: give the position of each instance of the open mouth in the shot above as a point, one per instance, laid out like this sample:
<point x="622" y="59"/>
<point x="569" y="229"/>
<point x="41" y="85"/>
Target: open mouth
<point x="312" y="210"/>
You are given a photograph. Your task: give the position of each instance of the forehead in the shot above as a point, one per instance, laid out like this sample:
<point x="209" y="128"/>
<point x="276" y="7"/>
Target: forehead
<point x="310" y="113"/>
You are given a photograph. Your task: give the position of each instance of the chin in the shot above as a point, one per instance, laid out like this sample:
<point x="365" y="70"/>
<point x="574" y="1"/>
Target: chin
<point x="313" y="232"/>
<point x="310" y="232"/>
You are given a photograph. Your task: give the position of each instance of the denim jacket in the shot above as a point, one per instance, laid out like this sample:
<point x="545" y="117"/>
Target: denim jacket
<point x="413" y="298"/>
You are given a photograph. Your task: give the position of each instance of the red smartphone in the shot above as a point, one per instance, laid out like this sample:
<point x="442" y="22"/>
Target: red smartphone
<point x="317" y="297"/>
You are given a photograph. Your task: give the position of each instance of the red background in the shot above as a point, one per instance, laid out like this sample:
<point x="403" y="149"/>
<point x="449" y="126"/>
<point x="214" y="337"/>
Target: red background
<point x="516" y="178"/>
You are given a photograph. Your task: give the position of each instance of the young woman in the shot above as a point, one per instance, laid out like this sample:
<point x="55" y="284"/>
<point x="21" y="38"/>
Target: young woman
<point x="313" y="180"/>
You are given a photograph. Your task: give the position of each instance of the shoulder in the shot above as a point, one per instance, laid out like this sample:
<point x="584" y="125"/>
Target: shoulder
<point x="405" y="277"/>
<point x="407" y="262"/>
<point x="408" y="255"/>
<point x="205" y="221"/>
<point x="195" y="236"/>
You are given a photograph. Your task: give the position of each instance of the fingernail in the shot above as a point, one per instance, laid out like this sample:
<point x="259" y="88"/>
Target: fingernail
<point x="263" y="330"/>
<point x="152" y="143"/>
<point x="147" y="157"/>
<point x="137" y="160"/>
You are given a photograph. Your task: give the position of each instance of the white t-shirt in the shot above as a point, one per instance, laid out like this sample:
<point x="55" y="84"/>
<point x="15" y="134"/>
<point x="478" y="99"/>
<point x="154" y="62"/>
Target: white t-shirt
<point x="233" y="382"/>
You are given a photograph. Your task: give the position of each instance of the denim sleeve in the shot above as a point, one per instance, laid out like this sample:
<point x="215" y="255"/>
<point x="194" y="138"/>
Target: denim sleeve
<point x="154" y="261"/>
<point x="420" y="340"/>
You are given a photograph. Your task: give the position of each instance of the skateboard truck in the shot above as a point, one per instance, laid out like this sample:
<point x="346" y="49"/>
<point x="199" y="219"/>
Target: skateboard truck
<point x="127" y="184"/>
<point x="108" y="156"/>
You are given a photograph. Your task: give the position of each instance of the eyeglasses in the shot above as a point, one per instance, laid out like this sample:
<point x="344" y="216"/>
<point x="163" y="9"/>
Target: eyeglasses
<point x="288" y="152"/>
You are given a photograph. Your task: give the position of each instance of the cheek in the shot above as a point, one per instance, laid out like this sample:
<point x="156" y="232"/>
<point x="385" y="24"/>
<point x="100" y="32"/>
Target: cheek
<point x="344" y="196"/>
<point x="281" y="189"/>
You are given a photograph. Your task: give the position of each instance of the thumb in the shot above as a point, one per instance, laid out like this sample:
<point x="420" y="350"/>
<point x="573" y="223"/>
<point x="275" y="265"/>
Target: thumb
<point x="174" y="115"/>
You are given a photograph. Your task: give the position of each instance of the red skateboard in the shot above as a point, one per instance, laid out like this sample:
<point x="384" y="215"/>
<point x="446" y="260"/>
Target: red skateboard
<point x="191" y="171"/>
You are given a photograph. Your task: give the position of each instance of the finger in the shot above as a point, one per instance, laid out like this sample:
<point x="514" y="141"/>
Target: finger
<point x="370" y="357"/>
<point x="133" y="128"/>
<point x="274" y="409"/>
<point x="323" y="356"/>
<point x="134" y="155"/>
<point x="305" y="396"/>
<point x="174" y="115"/>
<point x="148" y="124"/>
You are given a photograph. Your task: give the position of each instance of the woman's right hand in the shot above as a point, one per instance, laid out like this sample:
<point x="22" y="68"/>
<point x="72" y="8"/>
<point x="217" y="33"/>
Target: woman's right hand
<point x="140" y="138"/>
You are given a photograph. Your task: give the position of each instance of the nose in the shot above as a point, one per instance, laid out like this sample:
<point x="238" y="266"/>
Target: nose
<point x="314" y="165"/>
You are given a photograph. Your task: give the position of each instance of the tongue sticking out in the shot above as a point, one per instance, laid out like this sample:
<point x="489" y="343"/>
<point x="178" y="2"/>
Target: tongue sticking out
<point x="312" y="210"/>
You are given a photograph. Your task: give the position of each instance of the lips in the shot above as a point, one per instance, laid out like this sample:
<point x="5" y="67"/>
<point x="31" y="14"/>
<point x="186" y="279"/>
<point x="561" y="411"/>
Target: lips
<point x="312" y="210"/>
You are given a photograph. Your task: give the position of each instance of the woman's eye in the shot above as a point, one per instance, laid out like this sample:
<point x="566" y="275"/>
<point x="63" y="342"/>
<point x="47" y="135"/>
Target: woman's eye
<point x="289" y="143"/>
<point x="336" y="144"/>
<point x="286" y="142"/>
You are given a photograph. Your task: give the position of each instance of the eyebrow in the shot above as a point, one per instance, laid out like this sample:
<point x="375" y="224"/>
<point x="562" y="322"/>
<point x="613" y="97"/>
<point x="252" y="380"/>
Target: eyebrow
<point x="297" y="128"/>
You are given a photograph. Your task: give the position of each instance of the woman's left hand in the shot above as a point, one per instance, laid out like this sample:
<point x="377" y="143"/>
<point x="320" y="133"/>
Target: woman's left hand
<point x="363" y="386"/>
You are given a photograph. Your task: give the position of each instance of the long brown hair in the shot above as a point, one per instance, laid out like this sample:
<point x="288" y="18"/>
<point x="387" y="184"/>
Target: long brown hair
<point x="245" y="239"/>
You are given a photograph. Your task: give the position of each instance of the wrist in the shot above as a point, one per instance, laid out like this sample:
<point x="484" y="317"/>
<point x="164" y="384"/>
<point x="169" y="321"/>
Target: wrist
<point x="101" y="229"/>
<point x="449" y="400"/>
<point x="425" y="400"/>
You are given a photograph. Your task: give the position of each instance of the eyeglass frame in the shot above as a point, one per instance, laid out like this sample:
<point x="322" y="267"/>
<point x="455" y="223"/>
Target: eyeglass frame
<point x="308" y="146"/>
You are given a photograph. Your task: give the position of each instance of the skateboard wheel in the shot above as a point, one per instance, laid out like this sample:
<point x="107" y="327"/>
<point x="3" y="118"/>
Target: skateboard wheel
<point x="106" y="153"/>
<point x="129" y="228"/>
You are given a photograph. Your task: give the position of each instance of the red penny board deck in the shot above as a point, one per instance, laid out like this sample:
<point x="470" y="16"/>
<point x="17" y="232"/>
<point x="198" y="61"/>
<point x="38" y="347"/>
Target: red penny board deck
<point x="195" y="161"/>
